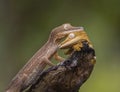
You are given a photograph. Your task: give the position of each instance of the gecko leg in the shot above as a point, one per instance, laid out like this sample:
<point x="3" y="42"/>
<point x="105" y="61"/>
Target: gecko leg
<point x="58" y="58"/>
<point x="47" y="61"/>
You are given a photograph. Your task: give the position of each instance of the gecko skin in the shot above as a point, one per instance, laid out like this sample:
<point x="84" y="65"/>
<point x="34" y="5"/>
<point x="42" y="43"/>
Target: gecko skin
<point x="40" y="59"/>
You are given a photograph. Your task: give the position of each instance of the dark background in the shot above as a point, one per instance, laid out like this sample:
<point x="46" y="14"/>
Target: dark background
<point x="25" y="26"/>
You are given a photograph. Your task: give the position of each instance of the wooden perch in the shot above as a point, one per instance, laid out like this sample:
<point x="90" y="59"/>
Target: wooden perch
<point x="68" y="76"/>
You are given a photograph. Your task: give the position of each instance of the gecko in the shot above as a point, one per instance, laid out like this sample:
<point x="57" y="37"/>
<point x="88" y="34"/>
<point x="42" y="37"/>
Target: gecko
<point x="41" y="58"/>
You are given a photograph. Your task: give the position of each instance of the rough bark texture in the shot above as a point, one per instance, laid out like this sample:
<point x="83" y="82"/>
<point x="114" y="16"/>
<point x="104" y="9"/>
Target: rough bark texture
<point x="68" y="75"/>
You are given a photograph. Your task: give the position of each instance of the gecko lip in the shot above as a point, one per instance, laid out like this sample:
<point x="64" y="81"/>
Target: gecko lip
<point x="68" y="42"/>
<point x="76" y="29"/>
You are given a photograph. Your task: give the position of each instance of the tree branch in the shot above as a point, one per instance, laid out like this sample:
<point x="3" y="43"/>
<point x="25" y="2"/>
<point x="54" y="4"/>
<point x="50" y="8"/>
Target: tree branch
<point x="68" y="75"/>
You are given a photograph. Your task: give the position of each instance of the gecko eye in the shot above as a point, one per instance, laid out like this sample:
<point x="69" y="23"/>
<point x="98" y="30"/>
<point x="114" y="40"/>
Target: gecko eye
<point x="71" y="35"/>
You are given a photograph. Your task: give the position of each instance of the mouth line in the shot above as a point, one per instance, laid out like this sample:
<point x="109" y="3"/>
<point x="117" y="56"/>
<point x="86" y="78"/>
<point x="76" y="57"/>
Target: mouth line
<point x="69" y="43"/>
<point x="78" y="29"/>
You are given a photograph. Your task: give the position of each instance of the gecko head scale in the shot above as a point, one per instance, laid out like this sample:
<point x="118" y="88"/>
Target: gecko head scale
<point x="63" y="31"/>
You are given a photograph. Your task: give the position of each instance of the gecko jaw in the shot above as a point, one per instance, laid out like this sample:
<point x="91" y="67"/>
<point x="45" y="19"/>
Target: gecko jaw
<point x="69" y="42"/>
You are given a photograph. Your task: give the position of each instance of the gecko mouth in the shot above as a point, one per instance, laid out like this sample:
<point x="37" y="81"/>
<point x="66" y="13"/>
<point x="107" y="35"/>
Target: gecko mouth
<point x="75" y="29"/>
<point x="69" y="42"/>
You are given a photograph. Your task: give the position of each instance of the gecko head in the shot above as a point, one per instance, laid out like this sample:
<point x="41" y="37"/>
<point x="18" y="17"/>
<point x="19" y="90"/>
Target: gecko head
<point x="61" y="32"/>
<point x="74" y="41"/>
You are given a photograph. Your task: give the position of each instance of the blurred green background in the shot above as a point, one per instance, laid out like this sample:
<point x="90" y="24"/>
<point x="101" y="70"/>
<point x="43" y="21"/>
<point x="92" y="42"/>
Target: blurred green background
<point x="25" y="26"/>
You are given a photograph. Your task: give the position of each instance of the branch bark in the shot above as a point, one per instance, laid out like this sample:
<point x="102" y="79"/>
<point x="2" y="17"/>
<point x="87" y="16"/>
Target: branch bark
<point x="69" y="75"/>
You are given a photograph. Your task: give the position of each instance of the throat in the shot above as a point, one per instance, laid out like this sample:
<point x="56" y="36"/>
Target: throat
<point x="49" y="49"/>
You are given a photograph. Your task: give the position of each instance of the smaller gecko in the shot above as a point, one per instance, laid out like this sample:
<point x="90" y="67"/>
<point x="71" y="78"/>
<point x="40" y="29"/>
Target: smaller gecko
<point x="28" y="74"/>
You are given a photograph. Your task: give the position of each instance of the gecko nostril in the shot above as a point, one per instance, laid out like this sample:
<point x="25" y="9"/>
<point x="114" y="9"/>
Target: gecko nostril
<point x="66" y="26"/>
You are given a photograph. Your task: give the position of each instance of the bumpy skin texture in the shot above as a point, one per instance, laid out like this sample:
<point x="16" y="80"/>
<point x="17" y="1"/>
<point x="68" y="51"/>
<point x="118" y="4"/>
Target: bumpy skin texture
<point x="69" y="75"/>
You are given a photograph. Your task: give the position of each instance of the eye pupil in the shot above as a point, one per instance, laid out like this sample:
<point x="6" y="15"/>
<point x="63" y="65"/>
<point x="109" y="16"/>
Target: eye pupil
<point x="71" y="35"/>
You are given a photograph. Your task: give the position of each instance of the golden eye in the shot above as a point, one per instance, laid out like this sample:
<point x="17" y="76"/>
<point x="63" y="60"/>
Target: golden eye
<point x="71" y="35"/>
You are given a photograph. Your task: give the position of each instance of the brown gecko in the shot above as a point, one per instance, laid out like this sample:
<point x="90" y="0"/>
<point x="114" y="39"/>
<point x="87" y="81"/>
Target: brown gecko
<point x="41" y="58"/>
